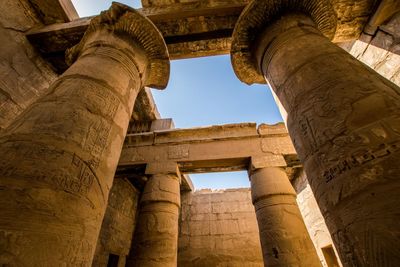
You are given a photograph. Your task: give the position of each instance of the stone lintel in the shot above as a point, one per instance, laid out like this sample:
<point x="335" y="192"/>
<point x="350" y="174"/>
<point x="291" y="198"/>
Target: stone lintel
<point x="385" y="10"/>
<point x="138" y="126"/>
<point x="145" y="108"/>
<point x="204" y="29"/>
<point x="139" y="139"/>
<point x="168" y="3"/>
<point x="55" y="11"/>
<point x="276" y="129"/>
<point x="186" y="183"/>
<point x="205" y="133"/>
<point x="211" y="150"/>
<point x="191" y="29"/>
<point x="162" y="124"/>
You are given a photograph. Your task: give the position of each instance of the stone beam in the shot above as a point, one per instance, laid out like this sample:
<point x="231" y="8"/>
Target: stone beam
<point x="192" y="29"/>
<point x="54" y="11"/>
<point x="145" y="108"/>
<point x="212" y="149"/>
<point x="385" y="10"/>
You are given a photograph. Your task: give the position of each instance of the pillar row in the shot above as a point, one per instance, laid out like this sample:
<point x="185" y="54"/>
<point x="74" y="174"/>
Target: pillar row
<point x="57" y="161"/>
<point x="283" y="234"/>
<point x="343" y="118"/>
<point x="155" y="241"/>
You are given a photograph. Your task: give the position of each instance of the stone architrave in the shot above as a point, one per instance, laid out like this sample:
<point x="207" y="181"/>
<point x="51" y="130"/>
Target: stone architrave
<point x="59" y="157"/>
<point x="343" y="118"/>
<point x="283" y="234"/>
<point x="155" y="242"/>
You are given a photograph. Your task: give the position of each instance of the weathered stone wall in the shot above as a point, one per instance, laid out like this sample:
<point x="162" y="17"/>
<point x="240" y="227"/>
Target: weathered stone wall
<point x="381" y="51"/>
<point x="118" y="223"/>
<point x="313" y="219"/>
<point x="24" y="76"/>
<point x="219" y="228"/>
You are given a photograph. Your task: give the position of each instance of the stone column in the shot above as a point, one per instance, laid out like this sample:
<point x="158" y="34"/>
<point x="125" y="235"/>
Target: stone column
<point x="283" y="234"/>
<point x="57" y="161"/>
<point x="118" y="225"/>
<point x="155" y="242"/>
<point x="343" y="118"/>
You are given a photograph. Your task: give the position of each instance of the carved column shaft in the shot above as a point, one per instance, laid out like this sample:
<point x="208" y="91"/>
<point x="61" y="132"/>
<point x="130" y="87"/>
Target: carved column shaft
<point x="344" y="120"/>
<point x="156" y="236"/>
<point x="283" y="234"/>
<point x="59" y="158"/>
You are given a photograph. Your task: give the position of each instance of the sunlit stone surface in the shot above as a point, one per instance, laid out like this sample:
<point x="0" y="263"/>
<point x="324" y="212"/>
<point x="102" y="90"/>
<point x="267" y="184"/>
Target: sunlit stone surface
<point x="90" y="175"/>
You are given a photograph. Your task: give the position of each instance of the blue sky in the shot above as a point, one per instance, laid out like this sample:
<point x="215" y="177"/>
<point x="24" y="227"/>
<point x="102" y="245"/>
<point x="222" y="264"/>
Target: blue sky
<point x="205" y="91"/>
<point x="87" y="8"/>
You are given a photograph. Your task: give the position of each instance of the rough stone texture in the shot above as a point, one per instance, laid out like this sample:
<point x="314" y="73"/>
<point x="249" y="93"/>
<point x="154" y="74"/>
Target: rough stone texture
<point x="218" y="228"/>
<point x="312" y="217"/>
<point x="215" y="148"/>
<point x="381" y="51"/>
<point x="385" y="9"/>
<point x="54" y="11"/>
<point x="58" y="159"/>
<point x="155" y="243"/>
<point x="145" y="108"/>
<point x="283" y="234"/>
<point x="157" y="3"/>
<point x="118" y="224"/>
<point x="254" y="19"/>
<point x="344" y="121"/>
<point x="24" y="75"/>
<point x="204" y="28"/>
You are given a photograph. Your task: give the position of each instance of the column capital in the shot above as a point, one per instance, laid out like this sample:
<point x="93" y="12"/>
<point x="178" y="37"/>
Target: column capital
<point x="261" y="162"/>
<point x="163" y="184"/>
<point x="257" y="16"/>
<point x="131" y="27"/>
<point x="163" y="167"/>
<point x="270" y="181"/>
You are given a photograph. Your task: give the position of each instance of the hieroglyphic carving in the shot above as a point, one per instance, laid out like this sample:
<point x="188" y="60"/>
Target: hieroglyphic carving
<point x="178" y="152"/>
<point x="380" y="140"/>
<point x="96" y="141"/>
<point x="84" y="176"/>
<point x="136" y="156"/>
<point x="73" y="257"/>
<point x="103" y="101"/>
<point x="199" y="48"/>
<point x="75" y="176"/>
<point x="277" y="145"/>
<point x="77" y="258"/>
<point x="309" y="142"/>
<point x="197" y="25"/>
<point x="93" y="93"/>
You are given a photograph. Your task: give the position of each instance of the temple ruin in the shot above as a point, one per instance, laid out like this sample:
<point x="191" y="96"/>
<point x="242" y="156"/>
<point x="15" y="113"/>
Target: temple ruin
<point x="91" y="175"/>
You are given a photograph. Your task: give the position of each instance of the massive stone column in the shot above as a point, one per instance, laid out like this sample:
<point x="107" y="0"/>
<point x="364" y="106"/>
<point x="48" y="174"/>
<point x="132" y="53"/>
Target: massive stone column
<point x="155" y="243"/>
<point x="283" y="234"/>
<point x="343" y="118"/>
<point x="57" y="161"/>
